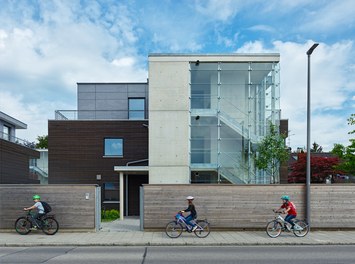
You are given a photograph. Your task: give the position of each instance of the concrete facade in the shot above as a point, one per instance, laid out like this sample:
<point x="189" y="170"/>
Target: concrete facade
<point x="170" y="115"/>
<point x="168" y="120"/>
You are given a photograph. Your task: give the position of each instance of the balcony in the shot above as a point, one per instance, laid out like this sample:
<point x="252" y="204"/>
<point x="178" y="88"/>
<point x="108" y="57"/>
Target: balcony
<point x="99" y="115"/>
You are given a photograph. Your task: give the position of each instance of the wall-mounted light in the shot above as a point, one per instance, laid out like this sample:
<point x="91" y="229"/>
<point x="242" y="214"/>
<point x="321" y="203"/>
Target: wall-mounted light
<point x="197" y="117"/>
<point x="197" y="62"/>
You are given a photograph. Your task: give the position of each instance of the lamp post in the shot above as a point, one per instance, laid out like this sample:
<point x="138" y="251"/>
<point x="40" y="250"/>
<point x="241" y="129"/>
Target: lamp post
<point x="308" y="169"/>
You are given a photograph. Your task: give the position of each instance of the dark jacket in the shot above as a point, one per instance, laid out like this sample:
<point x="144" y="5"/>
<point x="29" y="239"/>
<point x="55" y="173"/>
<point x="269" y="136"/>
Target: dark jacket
<point x="192" y="210"/>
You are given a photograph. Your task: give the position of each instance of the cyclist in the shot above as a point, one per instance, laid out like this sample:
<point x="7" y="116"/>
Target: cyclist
<point x="40" y="210"/>
<point x="288" y="208"/>
<point x="193" y="213"/>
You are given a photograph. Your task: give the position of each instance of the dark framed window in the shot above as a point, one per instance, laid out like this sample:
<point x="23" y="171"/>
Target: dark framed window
<point x="136" y="108"/>
<point x="113" y="147"/>
<point x="111" y="192"/>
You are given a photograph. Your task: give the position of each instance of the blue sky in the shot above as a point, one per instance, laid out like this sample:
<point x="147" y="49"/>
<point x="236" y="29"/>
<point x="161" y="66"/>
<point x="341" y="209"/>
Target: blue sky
<point x="47" y="46"/>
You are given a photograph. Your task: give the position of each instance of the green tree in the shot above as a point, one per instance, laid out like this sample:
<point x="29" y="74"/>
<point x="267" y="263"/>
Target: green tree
<point x="42" y="142"/>
<point x="316" y="148"/>
<point x="271" y="153"/>
<point x="346" y="154"/>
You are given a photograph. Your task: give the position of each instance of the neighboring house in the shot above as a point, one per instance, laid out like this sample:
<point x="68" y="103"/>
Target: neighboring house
<point x="15" y="153"/>
<point x="207" y="114"/>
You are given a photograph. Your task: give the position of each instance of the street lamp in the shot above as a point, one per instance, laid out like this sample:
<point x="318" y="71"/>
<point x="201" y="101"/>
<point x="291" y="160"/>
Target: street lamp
<point x="308" y="169"/>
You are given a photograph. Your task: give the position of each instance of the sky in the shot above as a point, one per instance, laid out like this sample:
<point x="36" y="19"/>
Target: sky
<point x="48" y="46"/>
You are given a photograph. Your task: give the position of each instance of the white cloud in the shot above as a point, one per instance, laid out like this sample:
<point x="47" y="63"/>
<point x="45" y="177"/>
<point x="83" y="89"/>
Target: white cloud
<point x="329" y="89"/>
<point x="42" y="60"/>
<point x="218" y="10"/>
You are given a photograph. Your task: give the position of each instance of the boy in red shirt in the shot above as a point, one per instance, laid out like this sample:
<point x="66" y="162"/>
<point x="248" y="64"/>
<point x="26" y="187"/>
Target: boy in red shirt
<point x="288" y="208"/>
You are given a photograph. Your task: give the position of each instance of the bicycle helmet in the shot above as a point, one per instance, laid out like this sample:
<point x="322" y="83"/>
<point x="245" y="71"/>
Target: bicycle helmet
<point x="36" y="197"/>
<point x="190" y="197"/>
<point x="285" y="197"/>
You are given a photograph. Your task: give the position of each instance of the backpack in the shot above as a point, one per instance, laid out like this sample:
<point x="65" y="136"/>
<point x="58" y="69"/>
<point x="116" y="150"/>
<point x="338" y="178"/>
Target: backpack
<point x="47" y="208"/>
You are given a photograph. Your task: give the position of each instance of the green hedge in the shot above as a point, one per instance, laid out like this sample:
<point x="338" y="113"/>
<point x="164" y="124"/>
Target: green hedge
<point x="110" y="215"/>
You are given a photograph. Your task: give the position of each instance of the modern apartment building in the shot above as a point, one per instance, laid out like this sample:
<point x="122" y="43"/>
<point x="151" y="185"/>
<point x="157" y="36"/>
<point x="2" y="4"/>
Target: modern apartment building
<point x="207" y="114"/>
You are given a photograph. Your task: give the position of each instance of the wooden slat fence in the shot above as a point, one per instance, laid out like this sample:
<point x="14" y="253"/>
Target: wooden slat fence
<point x="68" y="202"/>
<point x="249" y="206"/>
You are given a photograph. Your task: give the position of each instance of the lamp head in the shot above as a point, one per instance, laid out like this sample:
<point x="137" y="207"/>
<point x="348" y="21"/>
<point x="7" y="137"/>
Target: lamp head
<point x="310" y="51"/>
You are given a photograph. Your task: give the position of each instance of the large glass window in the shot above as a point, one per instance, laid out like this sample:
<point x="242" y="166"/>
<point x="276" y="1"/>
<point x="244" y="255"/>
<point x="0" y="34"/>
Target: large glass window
<point x="231" y="103"/>
<point x="136" y="108"/>
<point x="113" y="147"/>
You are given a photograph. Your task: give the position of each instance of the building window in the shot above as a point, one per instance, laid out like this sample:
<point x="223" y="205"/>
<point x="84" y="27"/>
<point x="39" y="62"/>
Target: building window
<point x="6" y="133"/>
<point x="111" y="192"/>
<point x="136" y="108"/>
<point x="113" y="147"/>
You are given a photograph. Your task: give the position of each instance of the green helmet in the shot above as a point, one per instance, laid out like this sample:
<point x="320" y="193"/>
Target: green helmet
<point x="36" y="197"/>
<point x="285" y="197"/>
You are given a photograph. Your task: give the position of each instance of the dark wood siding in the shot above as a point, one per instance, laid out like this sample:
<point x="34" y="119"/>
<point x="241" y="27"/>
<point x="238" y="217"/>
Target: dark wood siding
<point x="14" y="163"/>
<point x="76" y="150"/>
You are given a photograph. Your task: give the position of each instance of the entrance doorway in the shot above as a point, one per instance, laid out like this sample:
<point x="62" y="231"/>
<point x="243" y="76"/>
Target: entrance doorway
<point x="134" y="182"/>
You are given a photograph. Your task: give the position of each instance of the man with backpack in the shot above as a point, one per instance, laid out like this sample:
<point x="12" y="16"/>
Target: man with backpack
<point x="42" y="209"/>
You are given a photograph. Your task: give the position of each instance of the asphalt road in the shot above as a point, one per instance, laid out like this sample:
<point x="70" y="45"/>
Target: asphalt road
<point x="181" y="254"/>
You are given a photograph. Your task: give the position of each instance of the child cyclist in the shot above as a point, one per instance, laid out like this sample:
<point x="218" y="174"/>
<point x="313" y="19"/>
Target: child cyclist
<point x="40" y="210"/>
<point x="193" y="213"/>
<point x="288" y="208"/>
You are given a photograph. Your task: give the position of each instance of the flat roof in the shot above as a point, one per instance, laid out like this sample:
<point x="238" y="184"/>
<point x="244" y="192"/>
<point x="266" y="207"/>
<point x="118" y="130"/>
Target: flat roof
<point x="230" y="57"/>
<point x="13" y="121"/>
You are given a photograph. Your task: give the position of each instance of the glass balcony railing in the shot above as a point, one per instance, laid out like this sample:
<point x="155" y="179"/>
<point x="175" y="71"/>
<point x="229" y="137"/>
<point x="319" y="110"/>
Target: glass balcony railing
<point x="99" y="115"/>
<point x="17" y="140"/>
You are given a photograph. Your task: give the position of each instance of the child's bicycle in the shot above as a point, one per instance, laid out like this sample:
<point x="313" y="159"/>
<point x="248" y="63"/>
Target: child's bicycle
<point x="175" y="228"/>
<point x="25" y="224"/>
<point x="275" y="227"/>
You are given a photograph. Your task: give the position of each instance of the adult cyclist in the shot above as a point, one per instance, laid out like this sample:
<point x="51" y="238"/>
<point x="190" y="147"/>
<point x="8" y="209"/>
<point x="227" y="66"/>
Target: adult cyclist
<point x="193" y="213"/>
<point x="288" y="208"/>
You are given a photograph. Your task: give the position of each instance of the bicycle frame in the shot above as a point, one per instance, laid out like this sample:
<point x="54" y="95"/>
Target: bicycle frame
<point x="283" y="221"/>
<point x="182" y="220"/>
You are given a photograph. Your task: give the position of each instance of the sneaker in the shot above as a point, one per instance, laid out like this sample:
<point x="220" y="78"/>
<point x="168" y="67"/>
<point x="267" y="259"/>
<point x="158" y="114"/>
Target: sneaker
<point x="194" y="228"/>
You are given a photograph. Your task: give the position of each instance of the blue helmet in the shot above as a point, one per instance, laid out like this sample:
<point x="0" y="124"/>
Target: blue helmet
<point x="285" y="197"/>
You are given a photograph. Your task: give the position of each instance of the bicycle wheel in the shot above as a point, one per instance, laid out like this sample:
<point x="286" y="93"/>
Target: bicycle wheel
<point x="203" y="229"/>
<point x="23" y="226"/>
<point x="273" y="229"/>
<point x="300" y="228"/>
<point x="50" y="226"/>
<point x="173" y="229"/>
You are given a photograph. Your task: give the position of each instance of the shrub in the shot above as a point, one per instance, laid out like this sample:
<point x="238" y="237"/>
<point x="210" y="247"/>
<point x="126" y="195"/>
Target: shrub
<point x="110" y="215"/>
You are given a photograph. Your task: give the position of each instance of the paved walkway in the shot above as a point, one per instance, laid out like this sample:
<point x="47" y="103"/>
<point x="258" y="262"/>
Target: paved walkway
<point x="126" y="233"/>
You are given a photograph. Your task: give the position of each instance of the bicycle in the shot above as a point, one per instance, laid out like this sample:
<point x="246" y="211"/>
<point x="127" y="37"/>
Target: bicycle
<point x="25" y="224"/>
<point x="175" y="228"/>
<point x="276" y="226"/>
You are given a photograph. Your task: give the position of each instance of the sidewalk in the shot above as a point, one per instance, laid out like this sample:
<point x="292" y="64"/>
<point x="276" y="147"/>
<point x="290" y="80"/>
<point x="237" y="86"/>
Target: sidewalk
<point x="127" y="233"/>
